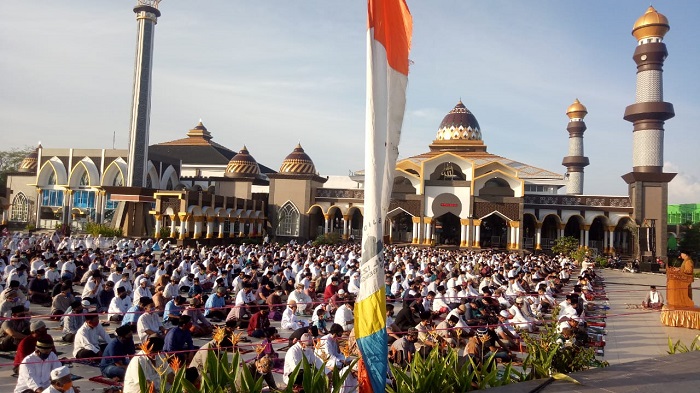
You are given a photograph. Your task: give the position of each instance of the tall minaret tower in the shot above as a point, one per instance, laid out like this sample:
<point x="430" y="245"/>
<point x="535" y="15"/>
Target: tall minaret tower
<point x="648" y="184"/>
<point x="575" y="161"/>
<point x="147" y="14"/>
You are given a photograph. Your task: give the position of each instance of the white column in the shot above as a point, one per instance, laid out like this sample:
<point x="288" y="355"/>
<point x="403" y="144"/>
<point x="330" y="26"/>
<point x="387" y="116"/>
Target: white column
<point x="538" y="236"/>
<point x="428" y="232"/>
<point x="210" y="227"/>
<point x="183" y="227"/>
<point x="260" y="227"/>
<point x="611" y="242"/>
<point x="346" y="235"/>
<point x="517" y="238"/>
<point x="158" y="218"/>
<point x="222" y="221"/>
<point x="586" y="232"/>
<point x="467" y="234"/>
<point x="462" y="234"/>
<point x="326" y="224"/>
<point x="477" y="233"/>
<point x="581" y="238"/>
<point x="415" y="233"/>
<point x="173" y="225"/>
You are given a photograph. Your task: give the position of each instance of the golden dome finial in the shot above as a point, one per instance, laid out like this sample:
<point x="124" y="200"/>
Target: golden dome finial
<point x="576" y="110"/>
<point x="651" y="24"/>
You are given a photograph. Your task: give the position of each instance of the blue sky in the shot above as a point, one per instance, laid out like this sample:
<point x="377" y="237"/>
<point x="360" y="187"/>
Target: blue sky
<point x="269" y="74"/>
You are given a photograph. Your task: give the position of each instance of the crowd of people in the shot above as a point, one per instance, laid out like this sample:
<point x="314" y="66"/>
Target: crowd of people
<point x="477" y="302"/>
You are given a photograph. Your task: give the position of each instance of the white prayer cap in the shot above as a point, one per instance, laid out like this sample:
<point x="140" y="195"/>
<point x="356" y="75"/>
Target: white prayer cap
<point x="59" y="373"/>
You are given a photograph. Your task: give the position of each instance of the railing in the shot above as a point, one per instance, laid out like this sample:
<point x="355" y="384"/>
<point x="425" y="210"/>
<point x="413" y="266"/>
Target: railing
<point x="573" y="200"/>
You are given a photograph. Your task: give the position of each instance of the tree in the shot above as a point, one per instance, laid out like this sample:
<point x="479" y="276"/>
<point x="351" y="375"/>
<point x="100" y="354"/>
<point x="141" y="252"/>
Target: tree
<point x="10" y="161"/>
<point x="690" y="239"/>
<point x="565" y="245"/>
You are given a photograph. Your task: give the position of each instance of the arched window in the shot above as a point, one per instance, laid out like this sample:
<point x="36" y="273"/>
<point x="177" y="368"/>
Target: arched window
<point x="288" y="220"/>
<point x="84" y="180"/>
<point x="20" y="208"/>
<point x="52" y="179"/>
<point x="170" y="185"/>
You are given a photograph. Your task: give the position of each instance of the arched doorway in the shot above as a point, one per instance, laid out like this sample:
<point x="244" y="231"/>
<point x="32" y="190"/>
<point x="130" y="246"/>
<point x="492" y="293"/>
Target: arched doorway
<point x="447" y="230"/>
<point x="529" y="231"/>
<point x="596" y="234"/>
<point x="573" y="228"/>
<point x="316" y="222"/>
<point x="550" y="231"/>
<point x="356" y="225"/>
<point x="493" y="232"/>
<point x="625" y="237"/>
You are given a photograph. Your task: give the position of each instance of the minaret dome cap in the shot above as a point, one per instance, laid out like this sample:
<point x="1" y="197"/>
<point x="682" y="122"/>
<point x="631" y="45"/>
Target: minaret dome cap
<point x="651" y="24"/>
<point x="576" y="110"/>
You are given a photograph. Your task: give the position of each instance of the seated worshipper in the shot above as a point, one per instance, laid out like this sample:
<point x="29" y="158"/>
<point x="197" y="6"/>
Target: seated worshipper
<point x="35" y="369"/>
<point x="482" y="346"/>
<point x="200" y="324"/>
<point x="62" y="381"/>
<point x="290" y="321"/>
<point x="296" y="335"/>
<point x="263" y="369"/>
<point x="405" y="318"/>
<point x="173" y="310"/>
<point x="302" y="299"/>
<point x="577" y="328"/>
<point x="402" y="350"/>
<point x="320" y="320"/>
<point x="304" y="348"/>
<point x="117" y="354"/>
<point x="245" y="304"/>
<point x="11" y="298"/>
<point x="39" y="288"/>
<point x="196" y="289"/>
<point x="28" y="344"/>
<point x="73" y="320"/>
<point x="134" y="312"/>
<point x="149" y="323"/>
<point x="329" y="346"/>
<point x="275" y="304"/>
<point x="391" y="328"/>
<point x="15" y="329"/>
<point x="426" y="340"/>
<point x="654" y="299"/>
<point x="507" y="337"/>
<point x="142" y="290"/>
<point x="105" y="297"/>
<point x="90" y="339"/>
<point x="259" y="325"/>
<point x="215" y="307"/>
<point x="447" y="331"/>
<point x="149" y="363"/>
<point x="344" y="316"/>
<point x="178" y="340"/>
<point x="93" y="287"/>
<point x="119" y="305"/>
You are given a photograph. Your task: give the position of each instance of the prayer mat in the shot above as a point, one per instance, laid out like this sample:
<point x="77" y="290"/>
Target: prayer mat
<point x="105" y="381"/>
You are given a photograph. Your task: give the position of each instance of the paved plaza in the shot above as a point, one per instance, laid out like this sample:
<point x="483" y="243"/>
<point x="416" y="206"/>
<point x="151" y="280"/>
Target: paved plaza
<point x="632" y="335"/>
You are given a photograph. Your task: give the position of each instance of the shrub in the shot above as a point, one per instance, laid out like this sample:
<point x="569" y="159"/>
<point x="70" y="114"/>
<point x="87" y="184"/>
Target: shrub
<point x="95" y="229"/>
<point x="329" y="238"/>
<point x="565" y="245"/>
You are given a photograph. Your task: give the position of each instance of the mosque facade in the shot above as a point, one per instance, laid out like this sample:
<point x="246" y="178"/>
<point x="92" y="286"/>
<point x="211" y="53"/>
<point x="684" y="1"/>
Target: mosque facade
<point x="457" y="193"/>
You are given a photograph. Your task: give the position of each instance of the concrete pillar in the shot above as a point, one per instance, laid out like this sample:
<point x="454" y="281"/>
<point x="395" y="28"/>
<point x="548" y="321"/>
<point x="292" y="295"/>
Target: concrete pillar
<point x="184" y="218"/>
<point x="477" y="233"/>
<point x="416" y="232"/>
<point x="158" y="218"/>
<point x="173" y="225"/>
<point x="327" y="224"/>
<point x="346" y="227"/>
<point x="210" y="227"/>
<point x="222" y="223"/>
<point x="586" y="232"/>
<point x="611" y="240"/>
<point x="538" y="236"/>
<point x="260" y="227"/>
<point x="428" y="230"/>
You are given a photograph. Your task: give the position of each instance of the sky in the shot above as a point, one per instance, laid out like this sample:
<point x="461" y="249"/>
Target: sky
<point x="271" y="74"/>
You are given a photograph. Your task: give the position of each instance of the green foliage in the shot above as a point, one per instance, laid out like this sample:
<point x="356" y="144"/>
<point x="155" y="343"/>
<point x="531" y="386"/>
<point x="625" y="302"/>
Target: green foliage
<point x="329" y="238"/>
<point x="678" y="347"/>
<point x="30" y="226"/>
<point x="545" y="357"/>
<point x="164" y="232"/>
<point x="10" y="161"/>
<point x="447" y="372"/>
<point x="565" y="245"/>
<point x="95" y="229"/>
<point x="601" y="261"/>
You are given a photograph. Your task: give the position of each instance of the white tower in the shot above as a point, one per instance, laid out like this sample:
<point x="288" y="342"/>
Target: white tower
<point x="575" y="161"/>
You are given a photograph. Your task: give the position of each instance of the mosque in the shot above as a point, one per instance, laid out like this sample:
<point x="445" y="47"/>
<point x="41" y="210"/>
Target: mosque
<point x="456" y="193"/>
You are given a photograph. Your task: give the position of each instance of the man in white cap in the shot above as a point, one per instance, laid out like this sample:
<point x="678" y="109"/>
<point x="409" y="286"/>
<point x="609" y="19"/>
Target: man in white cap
<point x="304" y="348"/>
<point x="35" y="369"/>
<point x="62" y="381"/>
<point x="142" y="290"/>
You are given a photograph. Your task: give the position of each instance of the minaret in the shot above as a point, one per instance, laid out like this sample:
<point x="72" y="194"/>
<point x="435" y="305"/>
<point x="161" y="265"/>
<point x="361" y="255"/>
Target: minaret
<point x="575" y="161"/>
<point x="147" y="14"/>
<point x="648" y="184"/>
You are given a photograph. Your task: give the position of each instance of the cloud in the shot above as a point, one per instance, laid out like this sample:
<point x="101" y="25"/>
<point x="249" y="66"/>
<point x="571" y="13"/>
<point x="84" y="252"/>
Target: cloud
<point x="684" y="188"/>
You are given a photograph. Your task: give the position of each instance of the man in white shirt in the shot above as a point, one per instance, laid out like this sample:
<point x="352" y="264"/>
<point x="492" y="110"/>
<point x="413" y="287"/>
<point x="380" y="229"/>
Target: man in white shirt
<point x="329" y="346"/>
<point x="149" y="364"/>
<point x="304" y="348"/>
<point x="119" y="305"/>
<point x="150" y="323"/>
<point x="344" y="316"/>
<point x="289" y="318"/>
<point x="142" y="290"/>
<point x="87" y="339"/>
<point x="35" y="369"/>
